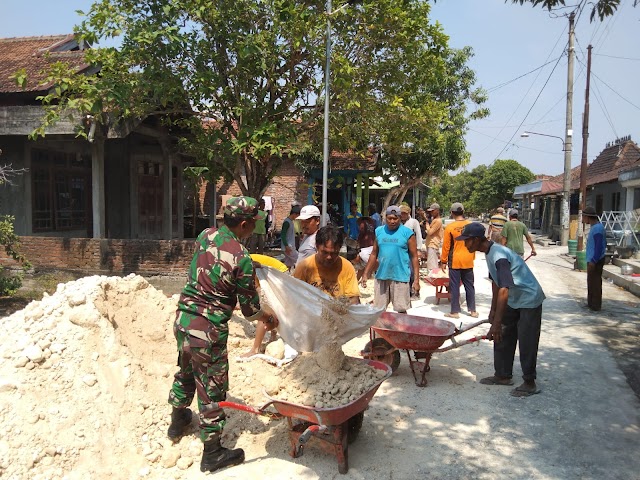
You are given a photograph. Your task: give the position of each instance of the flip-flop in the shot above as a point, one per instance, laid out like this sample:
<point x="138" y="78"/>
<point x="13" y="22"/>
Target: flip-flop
<point x="493" y="380"/>
<point x="519" y="392"/>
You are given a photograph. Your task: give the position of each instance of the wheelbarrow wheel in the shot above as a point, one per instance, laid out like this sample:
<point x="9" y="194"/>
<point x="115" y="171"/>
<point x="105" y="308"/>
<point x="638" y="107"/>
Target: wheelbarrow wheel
<point x="354" y="425"/>
<point x="378" y="349"/>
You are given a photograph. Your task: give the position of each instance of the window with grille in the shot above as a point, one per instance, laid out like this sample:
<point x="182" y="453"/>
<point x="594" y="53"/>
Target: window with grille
<point x="61" y="184"/>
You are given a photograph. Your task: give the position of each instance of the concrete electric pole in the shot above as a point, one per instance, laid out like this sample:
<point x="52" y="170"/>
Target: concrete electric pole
<point x="566" y="191"/>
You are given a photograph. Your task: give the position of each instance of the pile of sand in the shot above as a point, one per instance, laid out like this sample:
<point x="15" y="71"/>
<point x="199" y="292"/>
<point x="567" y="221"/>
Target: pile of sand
<point x="86" y="373"/>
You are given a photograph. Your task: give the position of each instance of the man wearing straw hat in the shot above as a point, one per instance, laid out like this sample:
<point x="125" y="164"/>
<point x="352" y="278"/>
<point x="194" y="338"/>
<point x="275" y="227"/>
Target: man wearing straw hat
<point x="596" y="247"/>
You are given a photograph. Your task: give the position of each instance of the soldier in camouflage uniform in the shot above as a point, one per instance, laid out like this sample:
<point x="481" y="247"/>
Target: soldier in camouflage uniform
<point x="221" y="272"/>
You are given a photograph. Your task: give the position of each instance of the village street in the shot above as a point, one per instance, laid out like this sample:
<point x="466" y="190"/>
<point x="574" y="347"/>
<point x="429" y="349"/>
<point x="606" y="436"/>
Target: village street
<point x="583" y="425"/>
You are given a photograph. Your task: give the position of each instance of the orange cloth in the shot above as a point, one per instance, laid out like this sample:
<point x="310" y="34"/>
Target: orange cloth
<point x="462" y="258"/>
<point x="339" y="281"/>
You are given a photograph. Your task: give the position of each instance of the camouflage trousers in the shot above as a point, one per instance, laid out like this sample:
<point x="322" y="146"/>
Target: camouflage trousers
<point x="204" y="368"/>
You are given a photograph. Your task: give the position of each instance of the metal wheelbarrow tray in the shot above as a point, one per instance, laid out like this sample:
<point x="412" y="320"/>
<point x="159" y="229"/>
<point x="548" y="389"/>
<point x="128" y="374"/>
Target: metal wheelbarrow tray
<point x="424" y="336"/>
<point x="335" y="427"/>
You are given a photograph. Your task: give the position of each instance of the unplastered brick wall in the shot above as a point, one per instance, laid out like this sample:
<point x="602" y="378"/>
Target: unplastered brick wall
<point x="290" y="185"/>
<point x="152" y="257"/>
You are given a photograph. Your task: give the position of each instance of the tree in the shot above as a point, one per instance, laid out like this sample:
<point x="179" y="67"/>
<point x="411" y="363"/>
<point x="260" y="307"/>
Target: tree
<point x="601" y="8"/>
<point x="245" y="77"/>
<point x="483" y="188"/>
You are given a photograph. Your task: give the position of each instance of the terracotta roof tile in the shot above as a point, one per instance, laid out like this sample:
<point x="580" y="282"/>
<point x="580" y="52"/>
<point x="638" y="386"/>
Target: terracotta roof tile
<point x="35" y="54"/>
<point x="605" y="168"/>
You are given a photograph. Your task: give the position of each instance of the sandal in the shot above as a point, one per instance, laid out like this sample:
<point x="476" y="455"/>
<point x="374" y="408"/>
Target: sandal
<point x="452" y="315"/>
<point x="473" y="314"/>
<point x="493" y="380"/>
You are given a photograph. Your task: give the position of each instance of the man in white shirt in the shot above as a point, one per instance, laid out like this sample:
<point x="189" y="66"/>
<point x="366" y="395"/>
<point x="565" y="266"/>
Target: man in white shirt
<point x="310" y="221"/>
<point x="410" y="222"/>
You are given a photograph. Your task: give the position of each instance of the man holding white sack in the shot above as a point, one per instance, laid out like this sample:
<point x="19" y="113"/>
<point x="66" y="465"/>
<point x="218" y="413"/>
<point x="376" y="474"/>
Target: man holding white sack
<point x="326" y="270"/>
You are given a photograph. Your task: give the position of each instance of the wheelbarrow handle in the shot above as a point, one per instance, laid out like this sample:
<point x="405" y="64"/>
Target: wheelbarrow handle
<point x="246" y="408"/>
<point x="455" y="344"/>
<point x="305" y="436"/>
<point x="470" y="326"/>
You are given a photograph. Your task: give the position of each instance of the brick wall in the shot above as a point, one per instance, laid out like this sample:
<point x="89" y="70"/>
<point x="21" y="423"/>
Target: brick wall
<point x="290" y="185"/>
<point x="104" y="256"/>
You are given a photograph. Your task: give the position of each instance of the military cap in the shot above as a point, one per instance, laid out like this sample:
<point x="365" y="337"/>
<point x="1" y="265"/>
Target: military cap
<point x="241" y="207"/>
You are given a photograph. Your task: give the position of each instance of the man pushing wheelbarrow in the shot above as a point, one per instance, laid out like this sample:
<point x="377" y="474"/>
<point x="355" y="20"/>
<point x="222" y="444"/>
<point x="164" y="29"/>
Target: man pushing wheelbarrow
<point x="516" y="311"/>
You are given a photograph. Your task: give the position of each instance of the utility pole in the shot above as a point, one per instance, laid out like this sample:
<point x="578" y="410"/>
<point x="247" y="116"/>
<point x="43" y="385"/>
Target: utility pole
<point x="566" y="191"/>
<point x="583" y="162"/>
<point x="325" y="153"/>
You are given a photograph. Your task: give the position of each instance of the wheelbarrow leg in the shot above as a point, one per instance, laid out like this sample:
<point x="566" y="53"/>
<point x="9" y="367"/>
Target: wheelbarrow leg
<point x="424" y="366"/>
<point x="425" y="369"/>
<point x="341" y="439"/>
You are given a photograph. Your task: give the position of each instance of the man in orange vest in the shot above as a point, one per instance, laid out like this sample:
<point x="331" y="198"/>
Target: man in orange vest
<point x="460" y="262"/>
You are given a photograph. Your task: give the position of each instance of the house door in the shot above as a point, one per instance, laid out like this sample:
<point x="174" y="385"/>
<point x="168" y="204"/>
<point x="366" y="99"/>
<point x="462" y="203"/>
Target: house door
<point x="150" y="198"/>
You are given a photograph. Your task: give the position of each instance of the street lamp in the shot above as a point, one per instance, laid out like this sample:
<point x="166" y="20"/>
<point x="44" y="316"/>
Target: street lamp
<point x="566" y="189"/>
<point x="526" y="134"/>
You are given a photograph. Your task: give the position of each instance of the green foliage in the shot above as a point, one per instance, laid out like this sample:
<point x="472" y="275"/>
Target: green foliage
<point x="483" y="188"/>
<point x="601" y="8"/>
<point x="10" y="283"/>
<point x="245" y="78"/>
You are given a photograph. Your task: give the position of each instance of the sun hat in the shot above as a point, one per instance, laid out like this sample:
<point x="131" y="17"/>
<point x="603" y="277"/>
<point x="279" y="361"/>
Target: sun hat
<point x="589" y="212"/>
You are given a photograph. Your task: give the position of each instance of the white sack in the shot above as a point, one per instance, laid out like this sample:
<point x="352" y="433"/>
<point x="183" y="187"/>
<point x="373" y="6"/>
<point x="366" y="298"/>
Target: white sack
<point x="299" y="306"/>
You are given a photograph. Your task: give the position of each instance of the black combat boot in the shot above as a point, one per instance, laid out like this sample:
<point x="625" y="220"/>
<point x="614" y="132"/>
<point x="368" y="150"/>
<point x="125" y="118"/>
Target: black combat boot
<point x="215" y="456"/>
<point x="180" y="419"/>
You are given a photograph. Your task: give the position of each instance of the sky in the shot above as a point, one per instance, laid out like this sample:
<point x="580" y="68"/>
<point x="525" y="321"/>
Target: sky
<point x="508" y="41"/>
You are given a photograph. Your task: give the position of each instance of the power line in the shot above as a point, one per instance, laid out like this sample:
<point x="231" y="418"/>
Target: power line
<point x="519" y="77"/>
<point x="531" y="108"/>
<point x="524" y="125"/>
<point x="619" y="58"/>
<point x="598" y="95"/>
<point x="614" y="91"/>
<point x="531" y="86"/>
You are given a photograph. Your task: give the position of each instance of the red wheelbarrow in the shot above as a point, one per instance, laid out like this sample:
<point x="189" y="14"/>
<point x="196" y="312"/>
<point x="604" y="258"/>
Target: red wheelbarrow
<point x="425" y="336"/>
<point x="335" y="428"/>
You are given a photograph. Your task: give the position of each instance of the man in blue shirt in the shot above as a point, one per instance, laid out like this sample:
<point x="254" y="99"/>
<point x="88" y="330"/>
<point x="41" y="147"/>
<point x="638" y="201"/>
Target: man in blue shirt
<point x="516" y="311"/>
<point x="373" y="213"/>
<point x="596" y="247"/>
<point x="394" y="251"/>
<point x="351" y="222"/>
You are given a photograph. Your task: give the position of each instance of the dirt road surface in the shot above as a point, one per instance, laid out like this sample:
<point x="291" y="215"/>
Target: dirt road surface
<point x="585" y="423"/>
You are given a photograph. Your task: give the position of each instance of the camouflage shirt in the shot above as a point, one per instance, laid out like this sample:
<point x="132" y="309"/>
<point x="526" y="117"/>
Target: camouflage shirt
<point x="221" y="272"/>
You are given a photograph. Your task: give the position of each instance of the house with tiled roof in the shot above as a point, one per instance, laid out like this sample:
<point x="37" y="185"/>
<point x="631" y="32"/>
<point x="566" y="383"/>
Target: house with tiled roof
<point x="612" y="180"/>
<point x="110" y="200"/>
<point x="115" y="184"/>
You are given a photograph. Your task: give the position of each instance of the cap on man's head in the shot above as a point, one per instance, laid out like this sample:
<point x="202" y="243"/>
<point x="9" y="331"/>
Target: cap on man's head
<point x="500" y="210"/>
<point x="472" y="230"/>
<point x="295" y="209"/>
<point x="393" y="210"/>
<point x="405" y="209"/>
<point x="457" y="207"/>
<point x="433" y="206"/>
<point x="241" y="207"/>
<point x="513" y="212"/>
<point x="589" y="212"/>
<point x="309" y="211"/>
